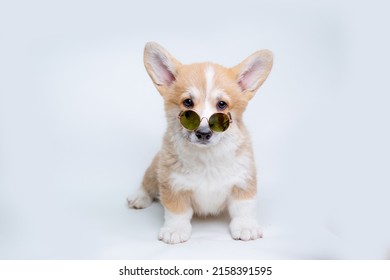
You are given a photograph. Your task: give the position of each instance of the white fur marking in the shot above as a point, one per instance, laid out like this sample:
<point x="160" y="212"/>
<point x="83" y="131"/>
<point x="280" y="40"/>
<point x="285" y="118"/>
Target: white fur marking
<point x="210" y="175"/>
<point x="244" y="225"/>
<point x="139" y="199"/>
<point x="208" y="109"/>
<point x="177" y="227"/>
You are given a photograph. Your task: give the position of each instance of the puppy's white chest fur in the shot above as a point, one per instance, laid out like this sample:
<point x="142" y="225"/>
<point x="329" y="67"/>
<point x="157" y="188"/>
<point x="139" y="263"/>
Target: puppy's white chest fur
<point x="210" y="175"/>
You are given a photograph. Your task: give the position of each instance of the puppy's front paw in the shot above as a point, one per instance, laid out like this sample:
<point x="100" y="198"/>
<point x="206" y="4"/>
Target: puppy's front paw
<point x="139" y="200"/>
<point x="245" y="229"/>
<point x="175" y="233"/>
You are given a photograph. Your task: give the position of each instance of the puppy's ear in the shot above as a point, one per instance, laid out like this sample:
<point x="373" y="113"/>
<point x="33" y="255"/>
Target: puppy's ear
<point x="253" y="71"/>
<point x="161" y="66"/>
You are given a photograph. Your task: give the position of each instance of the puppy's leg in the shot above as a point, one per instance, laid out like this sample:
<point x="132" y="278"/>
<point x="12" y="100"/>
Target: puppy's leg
<point x="178" y="213"/>
<point x="242" y="210"/>
<point x="148" y="191"/>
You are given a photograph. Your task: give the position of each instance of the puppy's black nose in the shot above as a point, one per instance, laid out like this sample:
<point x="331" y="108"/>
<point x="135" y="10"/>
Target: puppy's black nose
<point x="203" y="134"/>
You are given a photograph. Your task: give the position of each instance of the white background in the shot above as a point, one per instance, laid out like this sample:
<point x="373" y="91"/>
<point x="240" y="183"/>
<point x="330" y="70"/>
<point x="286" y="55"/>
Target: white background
<point x="80" y="121"/>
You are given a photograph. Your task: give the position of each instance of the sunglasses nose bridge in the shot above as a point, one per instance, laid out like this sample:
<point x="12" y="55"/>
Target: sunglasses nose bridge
<point x="204" y="122"/>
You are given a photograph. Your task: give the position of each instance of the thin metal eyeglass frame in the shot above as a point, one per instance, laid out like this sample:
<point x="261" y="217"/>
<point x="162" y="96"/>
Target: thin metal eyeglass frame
<point x="208" y="119"/>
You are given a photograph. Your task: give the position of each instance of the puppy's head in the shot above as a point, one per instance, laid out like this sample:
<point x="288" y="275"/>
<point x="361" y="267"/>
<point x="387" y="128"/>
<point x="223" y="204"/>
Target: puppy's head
<point x="206" y="89"/>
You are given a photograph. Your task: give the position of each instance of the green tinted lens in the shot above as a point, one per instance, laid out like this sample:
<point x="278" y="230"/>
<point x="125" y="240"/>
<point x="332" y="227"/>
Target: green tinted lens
<point x="219" y="122"/>
<point x="190" y="120"/>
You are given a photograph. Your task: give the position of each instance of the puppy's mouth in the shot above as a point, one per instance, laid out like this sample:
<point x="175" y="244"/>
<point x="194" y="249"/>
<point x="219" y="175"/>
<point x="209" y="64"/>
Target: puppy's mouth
<point x="203" y="142"/>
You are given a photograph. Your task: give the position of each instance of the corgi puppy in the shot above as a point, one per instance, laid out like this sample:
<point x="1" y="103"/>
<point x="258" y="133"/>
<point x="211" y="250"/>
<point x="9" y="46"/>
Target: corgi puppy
<point x="206" y="163"/>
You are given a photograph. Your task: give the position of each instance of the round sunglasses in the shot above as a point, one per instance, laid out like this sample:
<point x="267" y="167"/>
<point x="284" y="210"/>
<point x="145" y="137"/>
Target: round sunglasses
<point x="218" y="122"/>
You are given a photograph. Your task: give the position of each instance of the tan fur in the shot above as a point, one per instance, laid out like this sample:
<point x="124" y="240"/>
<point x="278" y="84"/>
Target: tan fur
<point x="176" y="202"/>
<point x="150" y="181"/>
<point x="251" y="188"/>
